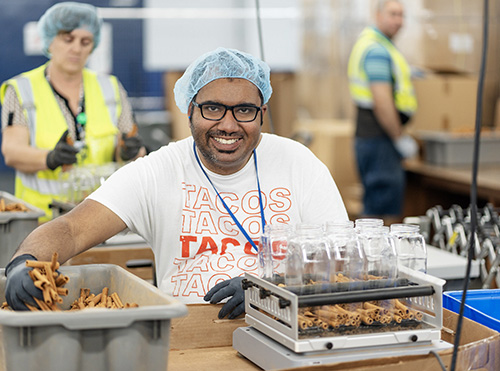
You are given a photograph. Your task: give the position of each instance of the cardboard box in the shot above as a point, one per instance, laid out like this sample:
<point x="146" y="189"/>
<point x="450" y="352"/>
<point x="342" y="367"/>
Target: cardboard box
<point x="190" y="332"/>
<point x="118" y="255"/>
<point x="282" y="105"/>
<point x="332" y="142"/>
<point x="446" y="102"/>
<point x="479" y="349"/>
<point x="451" y="35"/>
<point x="201" y="341"/>
<point x="460" y="8"/>
<point x="452" y="46"/>
<point x="179" y="120"/>
<point x="496" y="120"/>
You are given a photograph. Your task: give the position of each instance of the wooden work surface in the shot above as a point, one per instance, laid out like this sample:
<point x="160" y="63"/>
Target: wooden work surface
<point x="430" y="185"/>
<point x="201" y="341"/>
<point x="218" y="358"/>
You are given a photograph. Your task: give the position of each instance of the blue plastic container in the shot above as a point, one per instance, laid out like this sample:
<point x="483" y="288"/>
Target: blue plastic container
<point x="482" y="306"/>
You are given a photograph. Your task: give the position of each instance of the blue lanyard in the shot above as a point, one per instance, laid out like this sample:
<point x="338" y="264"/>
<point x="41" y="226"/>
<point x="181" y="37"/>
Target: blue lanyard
<point x="227" y="207"/>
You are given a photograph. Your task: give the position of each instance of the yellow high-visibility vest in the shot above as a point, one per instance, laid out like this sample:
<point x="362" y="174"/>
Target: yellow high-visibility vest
<point x="359" y="86"/>
<point x="47" y="124"/>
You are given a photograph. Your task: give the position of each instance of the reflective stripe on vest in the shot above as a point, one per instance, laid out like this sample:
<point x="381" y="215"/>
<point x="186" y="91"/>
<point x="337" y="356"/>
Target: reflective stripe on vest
<point x="28" y="104"/>
<point x="359" y="86"/>
<point x="110" y="97"/>
<point x="38" y="189"/>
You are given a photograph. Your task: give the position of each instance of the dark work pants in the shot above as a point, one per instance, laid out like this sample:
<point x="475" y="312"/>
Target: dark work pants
<point x="382" y="176"/>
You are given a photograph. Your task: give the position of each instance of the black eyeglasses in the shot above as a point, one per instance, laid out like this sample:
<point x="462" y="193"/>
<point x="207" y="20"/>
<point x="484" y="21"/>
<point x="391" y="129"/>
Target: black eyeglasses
<point x="217" y="111"/>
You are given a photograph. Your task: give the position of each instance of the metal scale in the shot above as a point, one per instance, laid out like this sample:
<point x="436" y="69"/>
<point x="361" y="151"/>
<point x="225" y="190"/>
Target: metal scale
<point x="273" y="340"/>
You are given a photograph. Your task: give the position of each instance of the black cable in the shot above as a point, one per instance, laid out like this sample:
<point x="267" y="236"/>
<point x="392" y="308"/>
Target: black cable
<point x="473" y="189"/>
<point x="261" y="47"/>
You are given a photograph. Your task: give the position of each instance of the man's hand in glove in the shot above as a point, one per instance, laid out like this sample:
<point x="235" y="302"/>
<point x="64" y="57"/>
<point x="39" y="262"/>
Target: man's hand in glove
<point x="406" y="146"/>
<point x="62" y="154"/>
<point x="130" y="147"/>
<point x="20" y="288"/>
<point x="225" y="289"/>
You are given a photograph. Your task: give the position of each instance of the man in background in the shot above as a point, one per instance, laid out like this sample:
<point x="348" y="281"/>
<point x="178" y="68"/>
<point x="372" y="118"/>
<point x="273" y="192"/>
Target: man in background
<point x="381" y="87"/>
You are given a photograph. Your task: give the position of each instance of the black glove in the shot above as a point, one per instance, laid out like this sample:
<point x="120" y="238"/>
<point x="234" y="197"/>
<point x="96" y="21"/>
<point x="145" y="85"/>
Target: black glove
<point x="234" y="306"/>
<point x="130" y="147"/>
<point x="62" y="154"/>
<point x="20" y="288"/>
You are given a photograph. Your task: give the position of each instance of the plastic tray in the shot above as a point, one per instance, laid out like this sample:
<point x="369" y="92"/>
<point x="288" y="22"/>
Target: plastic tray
<point x="93" y="339"/>
<point x="442" y="148"/>
<point x="480" y="306"/>
<point x="15" y="226"/>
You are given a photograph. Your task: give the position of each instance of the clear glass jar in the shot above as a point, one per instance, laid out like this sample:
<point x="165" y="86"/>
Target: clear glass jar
<point x="380" y="252"/>
<point x="345" y="251"/>
<point x="410" y="246"/>
<point x="273" y="247"/>
<point x="361" y="223"/>
<point x="308" y="257"/>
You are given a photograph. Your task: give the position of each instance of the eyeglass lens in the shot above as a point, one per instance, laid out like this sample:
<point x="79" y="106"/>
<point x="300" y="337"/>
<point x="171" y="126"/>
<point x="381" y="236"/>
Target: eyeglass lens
<point x="242" y="113"/>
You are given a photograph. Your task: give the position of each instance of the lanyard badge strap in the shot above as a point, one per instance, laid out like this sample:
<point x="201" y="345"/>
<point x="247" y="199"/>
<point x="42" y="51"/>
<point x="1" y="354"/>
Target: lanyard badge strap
<point x="227" y="207"/>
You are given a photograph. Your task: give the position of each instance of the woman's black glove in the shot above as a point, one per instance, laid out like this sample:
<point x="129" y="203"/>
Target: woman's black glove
<point x="130" y="147"/>
<point x="20" y="288"/>
<point x="225" y="289"/>
<point x="62" y="154"/>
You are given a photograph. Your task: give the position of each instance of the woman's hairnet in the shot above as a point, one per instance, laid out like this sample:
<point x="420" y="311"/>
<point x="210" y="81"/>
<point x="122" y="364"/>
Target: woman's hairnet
<point x="219" y="64"/>
<point x="68" y="16"/>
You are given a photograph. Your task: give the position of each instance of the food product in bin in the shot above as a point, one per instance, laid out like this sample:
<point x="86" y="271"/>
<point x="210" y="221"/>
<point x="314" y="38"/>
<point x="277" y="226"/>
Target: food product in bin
<point x="51" y="282"/>
<point x="101" y="300"/>
<point x="46" y="277"/>
<point x="13" y="206"/>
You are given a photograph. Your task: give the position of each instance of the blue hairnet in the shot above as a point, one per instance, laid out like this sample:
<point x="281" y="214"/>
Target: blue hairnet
<point x="219" y="64"/>
<point x="68" y="16"/>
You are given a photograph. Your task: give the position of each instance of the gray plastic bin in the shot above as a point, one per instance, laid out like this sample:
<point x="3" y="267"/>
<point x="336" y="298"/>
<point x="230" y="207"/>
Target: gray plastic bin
<point x="442" y="148"/>
<point x="15" y="226"/>
<point x="96" y="338"/>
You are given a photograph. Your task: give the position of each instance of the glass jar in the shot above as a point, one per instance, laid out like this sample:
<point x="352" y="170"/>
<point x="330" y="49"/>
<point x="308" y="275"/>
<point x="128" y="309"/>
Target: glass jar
<point x="361" y="223"/>
<point x="345" y="251"/>
<point x="273" y="247"/>
<point x="380" y="252"/>
<point x="410" y="246"/>
<point x="308" y="258"/>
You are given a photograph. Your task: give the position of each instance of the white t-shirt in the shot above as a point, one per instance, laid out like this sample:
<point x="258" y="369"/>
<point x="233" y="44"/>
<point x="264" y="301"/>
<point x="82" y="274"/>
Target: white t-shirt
<point x="165" y="198"/>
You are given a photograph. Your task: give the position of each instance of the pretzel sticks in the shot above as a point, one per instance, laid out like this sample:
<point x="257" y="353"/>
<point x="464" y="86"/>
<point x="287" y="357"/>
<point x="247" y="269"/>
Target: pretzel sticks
<point x="101" y="300"/>
<point x="328" y="317"/>
<point x="51" y="282"/>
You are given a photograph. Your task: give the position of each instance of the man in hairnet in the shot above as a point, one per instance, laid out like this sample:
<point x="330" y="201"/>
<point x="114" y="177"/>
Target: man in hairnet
<point x="60" y="113"/>
<point x="202" y="202"/>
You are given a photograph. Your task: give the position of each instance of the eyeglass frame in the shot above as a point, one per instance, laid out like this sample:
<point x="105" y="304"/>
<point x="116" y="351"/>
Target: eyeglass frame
<point x="226" y="108"/>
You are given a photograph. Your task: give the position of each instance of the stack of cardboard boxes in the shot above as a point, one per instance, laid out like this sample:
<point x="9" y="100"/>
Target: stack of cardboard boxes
<point x="442" y="40"/>
<point x="452" y="45"/>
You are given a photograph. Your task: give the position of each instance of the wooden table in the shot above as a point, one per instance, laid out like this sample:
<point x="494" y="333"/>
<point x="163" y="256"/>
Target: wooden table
<point x="430" y="185"/>
<point x="200" y="341"/>
<point x="119" y="250"/>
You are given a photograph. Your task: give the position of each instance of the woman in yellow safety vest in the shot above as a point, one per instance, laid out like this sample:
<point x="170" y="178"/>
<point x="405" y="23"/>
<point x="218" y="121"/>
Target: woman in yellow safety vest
<point x="62" y="113"/>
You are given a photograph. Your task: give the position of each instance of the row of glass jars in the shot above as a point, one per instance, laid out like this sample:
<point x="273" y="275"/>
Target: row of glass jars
<point x="339" y="252"/>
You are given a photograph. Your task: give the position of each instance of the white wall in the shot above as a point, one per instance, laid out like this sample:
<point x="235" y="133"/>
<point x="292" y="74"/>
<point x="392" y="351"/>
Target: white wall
<point x="177" y="32"/>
